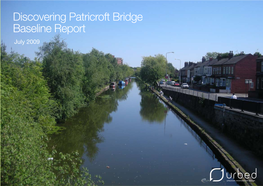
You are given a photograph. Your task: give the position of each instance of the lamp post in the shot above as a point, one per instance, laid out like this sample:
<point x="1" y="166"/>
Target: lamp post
<point x="179" y="71"/>
<point x="167" y="61"/>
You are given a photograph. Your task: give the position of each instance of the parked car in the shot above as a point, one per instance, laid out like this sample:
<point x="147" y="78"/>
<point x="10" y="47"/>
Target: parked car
<point x="176" y="84"/>
<point x="185" y="85"/>
<point x="161" y="82"/>
<point x="169" y="83"/>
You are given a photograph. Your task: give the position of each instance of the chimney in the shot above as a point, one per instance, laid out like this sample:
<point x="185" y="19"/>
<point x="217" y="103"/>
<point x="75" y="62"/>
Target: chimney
<point x="190" y="63"/>
<point x="185" y="64"/>
<point x="210" y="59"/>
<point x="203" y="59"/>
<point x="230" y="55"/>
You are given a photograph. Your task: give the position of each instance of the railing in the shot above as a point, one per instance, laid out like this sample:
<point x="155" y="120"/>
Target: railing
<point x="204" y="95"/>
<point x="243" y="105"/>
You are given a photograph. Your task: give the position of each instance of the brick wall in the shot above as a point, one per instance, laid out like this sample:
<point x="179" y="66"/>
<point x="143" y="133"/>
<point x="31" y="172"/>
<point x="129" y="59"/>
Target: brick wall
<point x="244" y="69"/>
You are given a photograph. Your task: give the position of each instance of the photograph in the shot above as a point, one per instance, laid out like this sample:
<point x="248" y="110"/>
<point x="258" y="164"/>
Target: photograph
<point x="131" y="92"/>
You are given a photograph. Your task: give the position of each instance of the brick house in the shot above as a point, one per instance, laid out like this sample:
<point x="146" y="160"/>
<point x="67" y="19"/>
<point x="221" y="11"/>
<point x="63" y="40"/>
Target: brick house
<point x="183" y="73"/>
<point x="235" y="74"/>
<point x="208" y="72"/>
<point x="259" y="77"/>
<point x="190" y="72"/>
<point x="119" y="61"/>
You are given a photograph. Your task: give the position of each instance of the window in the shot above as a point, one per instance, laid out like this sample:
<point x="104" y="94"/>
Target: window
<point x="228" y="83"/>
<point x="223" y="82"/>
<point x="219" y="70"/>
<point x="224" y="70"/>
<point x="232" y="71"/>
<point x="257" y="83"/>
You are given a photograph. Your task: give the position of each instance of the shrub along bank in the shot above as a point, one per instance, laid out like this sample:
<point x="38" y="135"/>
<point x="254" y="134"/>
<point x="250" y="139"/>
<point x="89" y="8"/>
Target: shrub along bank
<point x="34" y="95"/>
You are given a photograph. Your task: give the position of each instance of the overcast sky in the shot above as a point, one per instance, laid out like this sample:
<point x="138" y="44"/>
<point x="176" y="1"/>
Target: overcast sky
<point x="189" y="29"/>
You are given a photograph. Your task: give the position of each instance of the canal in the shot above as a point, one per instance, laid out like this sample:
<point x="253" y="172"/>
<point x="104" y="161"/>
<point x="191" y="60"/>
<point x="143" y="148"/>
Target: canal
<point x="129" y="137"/>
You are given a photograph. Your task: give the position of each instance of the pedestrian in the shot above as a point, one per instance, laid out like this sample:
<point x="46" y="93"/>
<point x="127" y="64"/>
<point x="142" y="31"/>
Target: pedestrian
<point x="161" y="93"/>
<point x="233" y="96"/>
<point x="170" y="98"/>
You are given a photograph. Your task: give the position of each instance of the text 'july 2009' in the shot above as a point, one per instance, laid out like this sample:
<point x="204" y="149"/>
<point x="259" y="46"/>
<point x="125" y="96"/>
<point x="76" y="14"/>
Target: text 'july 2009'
<point x="62" y="18"/>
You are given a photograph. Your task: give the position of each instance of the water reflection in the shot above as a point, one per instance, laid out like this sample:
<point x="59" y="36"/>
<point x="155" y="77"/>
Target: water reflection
<point x="82" y="132"/>
<point x="152" y="109"/>
<point x="127" y="151"/>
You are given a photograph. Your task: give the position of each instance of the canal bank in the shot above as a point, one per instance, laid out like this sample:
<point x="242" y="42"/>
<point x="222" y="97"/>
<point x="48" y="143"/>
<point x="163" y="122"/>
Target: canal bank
<point x="224" y="147"/>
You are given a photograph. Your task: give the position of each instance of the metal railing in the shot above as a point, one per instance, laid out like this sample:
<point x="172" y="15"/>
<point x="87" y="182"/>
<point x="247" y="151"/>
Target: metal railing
<point x="204" y="95"/>
<point x="243" y="105"/>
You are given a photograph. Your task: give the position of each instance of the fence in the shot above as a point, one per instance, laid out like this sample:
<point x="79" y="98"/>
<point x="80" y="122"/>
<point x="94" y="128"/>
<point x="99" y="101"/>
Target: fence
<point x="210" y="96"/>
<point x="243" y="105"/>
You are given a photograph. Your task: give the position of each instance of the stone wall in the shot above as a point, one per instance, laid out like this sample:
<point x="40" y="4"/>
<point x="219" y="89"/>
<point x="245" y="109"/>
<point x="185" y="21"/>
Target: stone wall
<point x="244" y="128"/>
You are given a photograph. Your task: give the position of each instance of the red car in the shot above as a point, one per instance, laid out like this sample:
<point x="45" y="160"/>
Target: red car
<point x="176" y="84"/>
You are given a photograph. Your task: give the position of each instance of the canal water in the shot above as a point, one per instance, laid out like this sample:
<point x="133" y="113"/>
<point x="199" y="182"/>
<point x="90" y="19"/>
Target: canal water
<point x="129" y="137"/>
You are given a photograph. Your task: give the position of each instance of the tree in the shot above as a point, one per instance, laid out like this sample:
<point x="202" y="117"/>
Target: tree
<point x="153" y="68"/>
<point x="63" y="70"/>
<point x="222" y="55"/>
<point x="26" y="119"/>
<point x="96" y="75"/>
<point x="258" y="54"/>
<point x="171" y="70"/>
<point x="137" y="71"/>
<point x="211" y="55"/>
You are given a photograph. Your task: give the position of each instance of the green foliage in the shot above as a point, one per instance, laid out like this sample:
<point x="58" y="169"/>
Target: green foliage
<point x="171" y="70"/>
<point x="26" y="119"/>
<point x="222" y="55"/>
<point x="153" y="68"/>
<point x="64" y="72"/>
<point x="33" y="88"/>
<point x="211" y="55"/>
<point x="34" y="95"/>
<point x="137" y="71"/>
<point x="258" y="54"/>
<point x="83" y="129"/>
<point x="152" y="109"/>
<point x="96" y="75"/>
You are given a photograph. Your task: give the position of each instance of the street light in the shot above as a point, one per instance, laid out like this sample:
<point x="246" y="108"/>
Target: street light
<point x="167" y="61"/>
<point x="180" y="62"/>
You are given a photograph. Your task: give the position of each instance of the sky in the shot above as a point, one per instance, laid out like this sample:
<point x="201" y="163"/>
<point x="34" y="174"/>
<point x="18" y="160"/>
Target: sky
<point x="190" y="29"/>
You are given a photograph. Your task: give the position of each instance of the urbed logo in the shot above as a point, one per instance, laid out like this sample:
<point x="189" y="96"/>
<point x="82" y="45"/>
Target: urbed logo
<point x="233" y="176"/>
<point x="222" y="174"/>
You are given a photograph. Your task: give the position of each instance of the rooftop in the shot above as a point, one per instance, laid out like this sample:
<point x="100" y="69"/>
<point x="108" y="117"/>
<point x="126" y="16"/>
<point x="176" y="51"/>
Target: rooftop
<point x="221" y="61"/>
<point x="235" y="59"/>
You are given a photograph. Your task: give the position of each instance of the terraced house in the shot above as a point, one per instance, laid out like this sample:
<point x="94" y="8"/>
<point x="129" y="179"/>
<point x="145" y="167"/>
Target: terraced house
<point x="259" y="83"/>
<point x="235" y="74"/>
